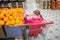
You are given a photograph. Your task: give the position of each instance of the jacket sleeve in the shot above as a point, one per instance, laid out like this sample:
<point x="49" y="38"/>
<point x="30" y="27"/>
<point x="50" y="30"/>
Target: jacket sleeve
<point x="27" y="20"/>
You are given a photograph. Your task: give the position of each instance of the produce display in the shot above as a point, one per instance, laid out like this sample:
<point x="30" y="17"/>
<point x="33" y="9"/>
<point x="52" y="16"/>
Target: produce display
<point x="11" y="17"/>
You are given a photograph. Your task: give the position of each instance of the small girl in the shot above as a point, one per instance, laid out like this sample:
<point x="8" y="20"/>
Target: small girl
<point x="37" y="18"/>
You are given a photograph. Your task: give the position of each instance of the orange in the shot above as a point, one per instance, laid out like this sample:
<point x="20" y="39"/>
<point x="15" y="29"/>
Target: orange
<point x="2" y="15"/>
<point x="14" y="10"/>
<point x="7" y="15"/>
<point x="14" y="14"/>
<point x="10" y="11"/>
<point x="14" y="17"/>
<point x="21" y="21"/>
<point x="21" y="15"/>
<point x="17" y="21"/>
<point x="11" y="17"/>
<point x="13" y="22"/>
<point x="20" y="10"/>
<point x="4" y="12"/>
<point x="20" y="24"/>
<point x="6" y="19"/>
<point x="21" y="18"/>
<point x="16" y="25"/>
<point x="1" y="22"/>
<point x="8" y="23"/>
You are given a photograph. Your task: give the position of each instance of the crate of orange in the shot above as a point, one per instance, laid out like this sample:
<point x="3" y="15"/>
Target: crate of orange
<point x="12" y="19"/>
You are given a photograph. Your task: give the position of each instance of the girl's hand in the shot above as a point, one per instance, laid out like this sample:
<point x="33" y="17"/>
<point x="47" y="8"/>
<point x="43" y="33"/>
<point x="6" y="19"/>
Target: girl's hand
<point x="26" y="15"/>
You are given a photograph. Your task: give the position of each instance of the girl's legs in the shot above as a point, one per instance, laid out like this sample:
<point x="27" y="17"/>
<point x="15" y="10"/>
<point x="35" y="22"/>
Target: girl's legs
<point x="45" y="30"/>
<point x="27" y="36"/>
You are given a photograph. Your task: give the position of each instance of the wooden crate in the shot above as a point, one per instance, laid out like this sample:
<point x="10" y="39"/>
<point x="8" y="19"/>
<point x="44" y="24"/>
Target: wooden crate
<point x="53" y="5"/>
<point x="58" y="5"/>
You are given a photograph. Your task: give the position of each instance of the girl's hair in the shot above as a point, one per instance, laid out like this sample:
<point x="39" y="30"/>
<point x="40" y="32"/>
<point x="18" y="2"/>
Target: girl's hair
<point x="37" y="12"/>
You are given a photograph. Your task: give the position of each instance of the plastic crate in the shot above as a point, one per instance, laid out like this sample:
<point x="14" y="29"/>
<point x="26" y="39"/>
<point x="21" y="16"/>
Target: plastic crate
<point x="12" y="32"/>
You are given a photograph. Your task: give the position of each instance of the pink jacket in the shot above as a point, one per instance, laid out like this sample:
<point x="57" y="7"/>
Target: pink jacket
<point x="34" y="20"/>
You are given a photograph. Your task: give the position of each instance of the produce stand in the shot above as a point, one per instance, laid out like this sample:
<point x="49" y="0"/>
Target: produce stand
<point x="12" y="31"/>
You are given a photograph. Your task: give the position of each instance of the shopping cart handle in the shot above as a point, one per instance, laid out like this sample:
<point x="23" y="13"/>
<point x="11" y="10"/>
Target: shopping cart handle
<point x="35" y="24"/>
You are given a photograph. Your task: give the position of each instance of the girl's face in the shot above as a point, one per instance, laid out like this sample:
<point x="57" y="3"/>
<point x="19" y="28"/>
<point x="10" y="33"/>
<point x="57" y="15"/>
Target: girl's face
<point x="35" y="16"/>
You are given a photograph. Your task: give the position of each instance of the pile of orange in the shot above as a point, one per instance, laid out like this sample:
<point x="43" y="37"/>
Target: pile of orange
<point x="11" y="17"/>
